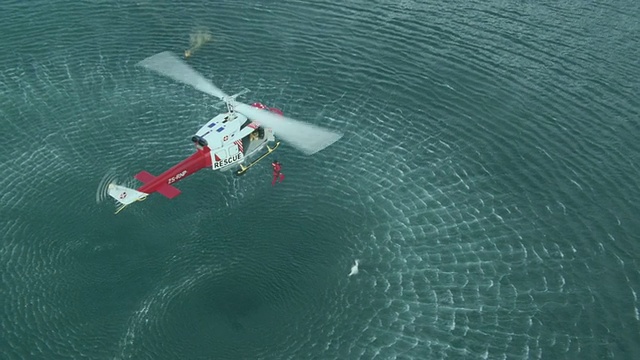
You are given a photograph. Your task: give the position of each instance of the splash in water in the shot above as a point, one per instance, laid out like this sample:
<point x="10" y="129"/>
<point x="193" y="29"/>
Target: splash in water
<point x="354" y="268"/>
<point x="197" y="38"/>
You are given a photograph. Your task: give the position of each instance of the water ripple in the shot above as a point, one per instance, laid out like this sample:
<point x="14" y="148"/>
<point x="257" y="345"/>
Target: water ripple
<point x="485" y="180"/>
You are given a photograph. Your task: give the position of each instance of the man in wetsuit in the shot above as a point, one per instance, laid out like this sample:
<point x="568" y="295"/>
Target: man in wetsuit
<point x="277" y="175"/>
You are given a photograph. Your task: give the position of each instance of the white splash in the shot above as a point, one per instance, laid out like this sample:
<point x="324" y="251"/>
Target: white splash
<point x="354" y="268"/>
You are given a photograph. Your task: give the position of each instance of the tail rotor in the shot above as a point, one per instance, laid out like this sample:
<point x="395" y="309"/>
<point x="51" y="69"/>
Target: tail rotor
<point x="124" y="196"/>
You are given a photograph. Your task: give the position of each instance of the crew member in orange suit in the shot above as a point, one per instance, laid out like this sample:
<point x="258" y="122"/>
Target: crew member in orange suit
<point x="277" y="172"/>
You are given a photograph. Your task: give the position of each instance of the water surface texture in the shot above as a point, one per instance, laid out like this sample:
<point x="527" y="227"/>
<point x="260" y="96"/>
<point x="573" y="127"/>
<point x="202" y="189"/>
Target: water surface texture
<point x="487" y="181"/>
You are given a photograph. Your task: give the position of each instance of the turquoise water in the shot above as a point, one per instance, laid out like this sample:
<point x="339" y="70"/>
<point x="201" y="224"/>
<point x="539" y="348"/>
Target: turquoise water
<point x="487" y="182"/>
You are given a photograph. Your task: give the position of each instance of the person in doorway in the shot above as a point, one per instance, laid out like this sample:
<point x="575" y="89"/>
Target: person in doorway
<point x="277" y="172"/>
<point x="254" y="135"/>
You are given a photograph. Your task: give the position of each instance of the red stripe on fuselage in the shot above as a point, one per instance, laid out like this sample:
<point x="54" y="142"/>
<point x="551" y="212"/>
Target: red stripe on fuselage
<point x="199" y="160"/>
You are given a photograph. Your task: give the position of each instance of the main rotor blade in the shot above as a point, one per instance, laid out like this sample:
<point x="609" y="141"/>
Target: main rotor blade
<point x="305" y="137"/>
<point x="167" y="64"/>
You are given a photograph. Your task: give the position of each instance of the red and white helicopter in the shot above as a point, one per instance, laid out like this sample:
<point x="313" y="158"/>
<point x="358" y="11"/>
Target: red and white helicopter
<point x="229" y="140"/>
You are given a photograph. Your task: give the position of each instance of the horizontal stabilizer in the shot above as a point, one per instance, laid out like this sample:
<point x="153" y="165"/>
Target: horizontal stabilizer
<point x="168" y="191"/>
<point x="144" y="177"/>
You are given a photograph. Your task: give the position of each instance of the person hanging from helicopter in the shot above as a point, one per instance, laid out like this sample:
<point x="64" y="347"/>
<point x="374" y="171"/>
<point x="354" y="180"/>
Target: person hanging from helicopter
<point x="277" y="172"/>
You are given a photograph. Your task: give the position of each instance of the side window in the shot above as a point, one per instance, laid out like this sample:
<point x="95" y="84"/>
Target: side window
<point x="233" y="149"/>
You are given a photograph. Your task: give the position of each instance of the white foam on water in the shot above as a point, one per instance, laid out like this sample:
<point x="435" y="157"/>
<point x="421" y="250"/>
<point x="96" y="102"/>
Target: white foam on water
<point x="354" y="268"/>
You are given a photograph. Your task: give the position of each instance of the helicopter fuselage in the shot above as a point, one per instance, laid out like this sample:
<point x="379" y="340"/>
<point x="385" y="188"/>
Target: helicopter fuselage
<point x="223" y="142"/>
<point x="233" y="138"/>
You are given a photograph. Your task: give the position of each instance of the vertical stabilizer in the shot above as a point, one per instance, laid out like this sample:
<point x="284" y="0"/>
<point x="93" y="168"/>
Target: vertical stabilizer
<point x="125" y="196"/>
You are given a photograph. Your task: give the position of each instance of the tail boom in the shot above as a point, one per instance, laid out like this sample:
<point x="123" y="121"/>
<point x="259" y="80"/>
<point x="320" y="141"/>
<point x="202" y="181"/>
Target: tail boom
<point x="163" y="183"/>
<point x="164" y="189"/>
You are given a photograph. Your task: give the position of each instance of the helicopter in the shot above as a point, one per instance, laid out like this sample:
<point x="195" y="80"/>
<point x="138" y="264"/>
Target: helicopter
<point x="235" y="139"/>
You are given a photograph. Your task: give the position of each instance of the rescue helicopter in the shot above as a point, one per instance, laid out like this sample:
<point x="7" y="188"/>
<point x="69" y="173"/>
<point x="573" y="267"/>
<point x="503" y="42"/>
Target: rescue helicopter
<point x="235" y="139"/>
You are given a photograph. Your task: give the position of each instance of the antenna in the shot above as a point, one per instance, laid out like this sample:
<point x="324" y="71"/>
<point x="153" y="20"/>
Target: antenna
<point x="229" y="101"/>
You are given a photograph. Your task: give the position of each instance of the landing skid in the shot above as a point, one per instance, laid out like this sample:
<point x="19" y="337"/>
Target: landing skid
<point x="243" y="169"/>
